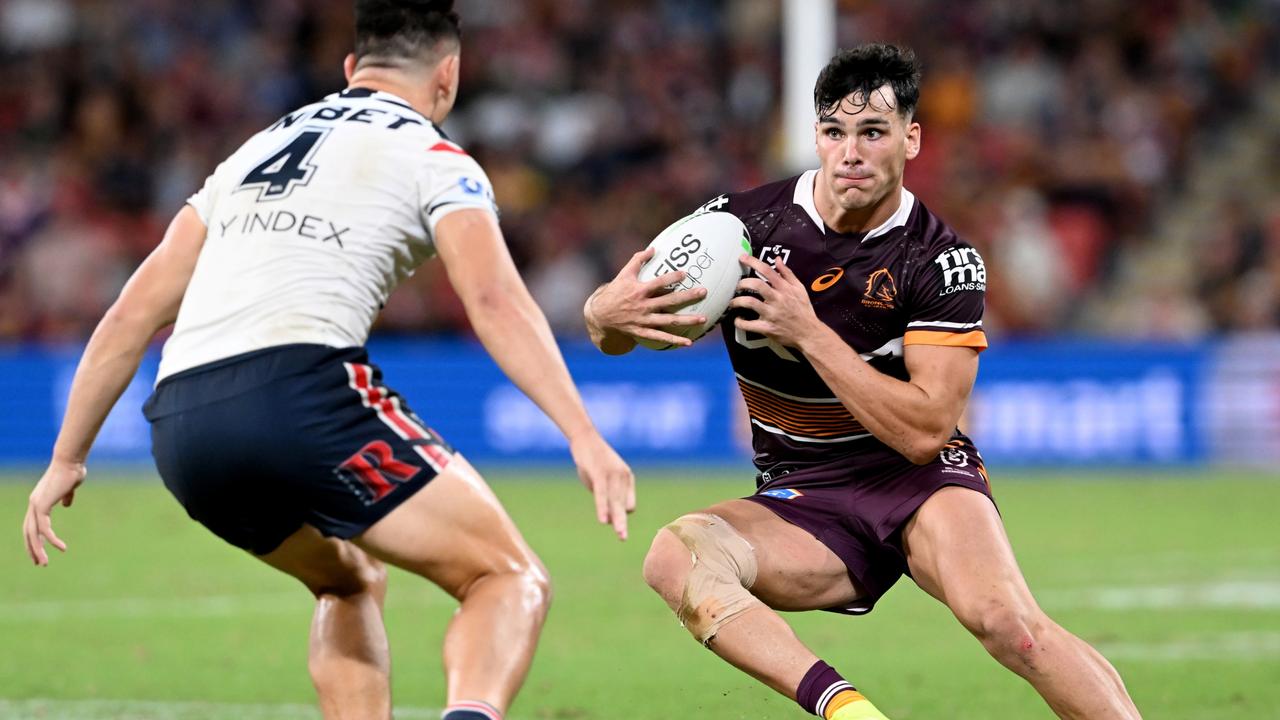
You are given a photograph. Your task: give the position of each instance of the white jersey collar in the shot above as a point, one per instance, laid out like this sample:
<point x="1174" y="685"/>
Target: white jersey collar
<point x="371" y="94"/>
<point x="803" y="197"/>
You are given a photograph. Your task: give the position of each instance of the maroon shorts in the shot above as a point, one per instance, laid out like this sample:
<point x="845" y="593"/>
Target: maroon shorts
<point x="857" y="506"/>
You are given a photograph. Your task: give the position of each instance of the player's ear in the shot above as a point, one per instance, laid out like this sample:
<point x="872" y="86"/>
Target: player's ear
<point x="349" y="66"/>
<point x="450" y="71"/>
<point x="913" y="140"/>
<point x="445" y="81"/>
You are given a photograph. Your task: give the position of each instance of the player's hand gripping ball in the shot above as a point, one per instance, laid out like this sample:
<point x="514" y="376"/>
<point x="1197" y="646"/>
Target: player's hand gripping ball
<point x="706" y="247"/>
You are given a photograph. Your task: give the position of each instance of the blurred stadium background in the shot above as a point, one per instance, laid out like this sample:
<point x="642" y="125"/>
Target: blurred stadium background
<point x="1115" y="162"/>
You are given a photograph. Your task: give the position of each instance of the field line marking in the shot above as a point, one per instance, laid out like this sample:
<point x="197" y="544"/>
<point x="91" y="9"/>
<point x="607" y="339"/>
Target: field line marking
<point x="51" y="709"/>
<point x="206" y="606"/>
<point x="1235" y="646"/>
<point x="1261" y="595"/>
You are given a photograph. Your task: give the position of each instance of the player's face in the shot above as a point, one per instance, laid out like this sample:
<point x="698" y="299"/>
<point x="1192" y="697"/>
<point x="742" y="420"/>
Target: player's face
<point x="864" y="146"/>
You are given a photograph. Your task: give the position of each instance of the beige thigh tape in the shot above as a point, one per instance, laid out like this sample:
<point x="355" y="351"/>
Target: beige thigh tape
<point x="724" y="567"/>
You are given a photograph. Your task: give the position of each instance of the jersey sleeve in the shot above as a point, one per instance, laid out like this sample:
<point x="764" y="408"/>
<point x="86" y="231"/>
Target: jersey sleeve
<point x="452" y="180"/>
<point x="202" y="200"/>
<point x="946" y="300"/>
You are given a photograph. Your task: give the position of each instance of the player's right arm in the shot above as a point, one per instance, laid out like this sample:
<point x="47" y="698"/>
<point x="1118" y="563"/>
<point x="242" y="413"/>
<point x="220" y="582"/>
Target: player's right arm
<point x="148" y="302"/>
<point x="625" y="309"/>
<point x="517" y="336"/>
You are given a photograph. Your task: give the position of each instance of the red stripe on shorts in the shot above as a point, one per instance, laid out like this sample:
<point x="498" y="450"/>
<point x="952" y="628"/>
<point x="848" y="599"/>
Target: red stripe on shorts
<point x="390" y="412"/>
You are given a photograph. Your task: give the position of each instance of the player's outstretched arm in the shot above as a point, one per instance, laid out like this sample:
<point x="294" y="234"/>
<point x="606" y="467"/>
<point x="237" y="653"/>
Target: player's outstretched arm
<point x="625" y="309"/>
<point x="916" y="417"/>
<point x="148" y="303"/>
<point x="517" y="336"/>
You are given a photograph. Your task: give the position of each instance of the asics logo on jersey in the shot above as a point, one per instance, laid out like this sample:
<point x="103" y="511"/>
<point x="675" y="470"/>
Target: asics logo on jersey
<point x="826" y="280"/>
<point x="881" y="290"/>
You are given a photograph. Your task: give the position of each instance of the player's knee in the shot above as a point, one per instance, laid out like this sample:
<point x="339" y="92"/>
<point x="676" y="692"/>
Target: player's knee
<point x="667" y="565"/>
<point x="524" y="581"/>
<point x="372" y="576"/>
<point x="722" y="569"/>
<point x="356" y="573"/>
<point x="536" y="586"/>
<point x="1011" y="633"/>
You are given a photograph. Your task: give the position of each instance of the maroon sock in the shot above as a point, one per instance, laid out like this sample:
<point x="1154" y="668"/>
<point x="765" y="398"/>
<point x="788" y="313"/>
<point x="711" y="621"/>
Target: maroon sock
<point x="818" y="686"/>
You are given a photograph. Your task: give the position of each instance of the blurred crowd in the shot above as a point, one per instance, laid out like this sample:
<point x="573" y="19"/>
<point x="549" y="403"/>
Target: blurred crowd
<point x="1112" y="159"/>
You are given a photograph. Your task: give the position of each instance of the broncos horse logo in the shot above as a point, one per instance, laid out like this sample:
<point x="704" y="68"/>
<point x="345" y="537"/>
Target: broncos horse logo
<point x="881" y="290"/>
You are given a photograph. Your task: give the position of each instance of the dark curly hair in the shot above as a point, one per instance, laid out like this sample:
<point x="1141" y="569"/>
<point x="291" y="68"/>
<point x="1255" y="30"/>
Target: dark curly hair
<point x="389" y="31"/>
<point x="863" y="70"/>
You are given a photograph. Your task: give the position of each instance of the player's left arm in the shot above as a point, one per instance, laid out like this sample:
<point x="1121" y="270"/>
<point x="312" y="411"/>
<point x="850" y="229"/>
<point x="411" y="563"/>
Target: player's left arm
<point x="148" y="302"/>
<point x="517" y="336"/>
<point x="915" y="417"/>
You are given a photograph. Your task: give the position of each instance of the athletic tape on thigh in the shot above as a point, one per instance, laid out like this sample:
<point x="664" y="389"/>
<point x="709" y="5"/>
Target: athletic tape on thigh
<point x="724" y="568"/>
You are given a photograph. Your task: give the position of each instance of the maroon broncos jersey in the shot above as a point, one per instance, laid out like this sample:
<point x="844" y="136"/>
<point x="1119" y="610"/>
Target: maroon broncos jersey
<point x="911" y="281"/>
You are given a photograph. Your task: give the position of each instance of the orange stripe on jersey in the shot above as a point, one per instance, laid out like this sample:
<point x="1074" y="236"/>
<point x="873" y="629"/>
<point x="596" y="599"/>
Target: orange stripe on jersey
<point x="821" y="420"/>
<point x="836" y="413"/>
<point x="807" y="430"/>
<point x="785" y="406"/>
<point x="974" y="339"/>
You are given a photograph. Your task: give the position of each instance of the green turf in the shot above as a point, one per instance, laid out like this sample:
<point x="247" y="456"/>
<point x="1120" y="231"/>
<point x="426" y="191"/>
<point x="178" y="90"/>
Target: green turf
<point x="1178" y="580"/>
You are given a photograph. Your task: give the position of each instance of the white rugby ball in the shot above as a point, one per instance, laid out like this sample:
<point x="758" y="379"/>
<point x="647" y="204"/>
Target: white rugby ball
<point x="706" y="246"/>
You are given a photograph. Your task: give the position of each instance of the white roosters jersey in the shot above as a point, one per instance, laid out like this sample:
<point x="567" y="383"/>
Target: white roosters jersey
<point x="313" y="222"/>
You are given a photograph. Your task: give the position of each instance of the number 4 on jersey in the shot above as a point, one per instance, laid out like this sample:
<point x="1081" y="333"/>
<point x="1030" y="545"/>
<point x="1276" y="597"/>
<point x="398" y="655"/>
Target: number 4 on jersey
<point x="288" y="167"/>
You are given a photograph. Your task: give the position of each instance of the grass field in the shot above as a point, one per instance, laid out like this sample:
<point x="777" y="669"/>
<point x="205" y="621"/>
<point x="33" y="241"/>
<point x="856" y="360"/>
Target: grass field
<point x="1176" y="580"/>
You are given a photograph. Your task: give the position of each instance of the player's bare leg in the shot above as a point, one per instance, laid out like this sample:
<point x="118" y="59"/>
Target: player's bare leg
<point x="794" y="572"/>
<point x="455" y="533"/>
<point x="349" y="660"/>
<point x="959" y="553"/>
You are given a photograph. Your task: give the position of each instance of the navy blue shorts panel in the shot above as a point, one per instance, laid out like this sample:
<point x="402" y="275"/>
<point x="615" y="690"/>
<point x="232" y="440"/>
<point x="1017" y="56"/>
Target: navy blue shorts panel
<point x="257" y="445"/>
<point x="858" y="507"/>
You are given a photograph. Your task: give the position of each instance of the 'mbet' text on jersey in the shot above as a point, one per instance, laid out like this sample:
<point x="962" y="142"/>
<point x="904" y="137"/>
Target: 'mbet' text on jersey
<point x="911" y="280"/>
<point x="314" y="221"/>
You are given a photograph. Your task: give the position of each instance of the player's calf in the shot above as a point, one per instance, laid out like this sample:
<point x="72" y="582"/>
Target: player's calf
<point x="704" y="569"/>
<point x="348" y="659"/>
<point x="1071" y="676"/>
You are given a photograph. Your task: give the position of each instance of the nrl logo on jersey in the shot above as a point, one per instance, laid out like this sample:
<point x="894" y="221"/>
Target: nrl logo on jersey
<point x="773" y="254"/>
<point x="962" y="269"/>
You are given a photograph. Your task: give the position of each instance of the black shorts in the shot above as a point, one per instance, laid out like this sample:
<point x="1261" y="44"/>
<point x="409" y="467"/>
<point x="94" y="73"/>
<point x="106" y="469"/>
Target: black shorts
<point x="256" y="445"/>
<point x="857" y="507"/>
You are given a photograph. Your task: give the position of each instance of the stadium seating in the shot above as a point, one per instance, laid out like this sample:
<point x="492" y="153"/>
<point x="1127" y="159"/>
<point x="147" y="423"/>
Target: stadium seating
<point x="1094" y="156"/>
